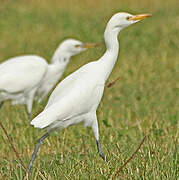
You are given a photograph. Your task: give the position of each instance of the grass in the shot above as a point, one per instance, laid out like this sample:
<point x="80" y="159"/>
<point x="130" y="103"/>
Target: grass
<point x="144" y="101"/>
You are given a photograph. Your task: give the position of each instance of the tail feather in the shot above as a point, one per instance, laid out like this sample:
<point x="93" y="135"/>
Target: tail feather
<point x="45" y="118"/>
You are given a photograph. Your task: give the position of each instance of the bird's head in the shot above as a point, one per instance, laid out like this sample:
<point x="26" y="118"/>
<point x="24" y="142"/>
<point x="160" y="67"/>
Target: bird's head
<point x="68" y="48"/>
<point x="73" y="47"/>
<point x="121" y="20"/>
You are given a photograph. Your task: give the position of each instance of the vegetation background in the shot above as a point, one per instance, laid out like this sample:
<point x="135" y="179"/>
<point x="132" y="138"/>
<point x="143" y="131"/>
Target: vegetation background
<point x="143" y="102"/>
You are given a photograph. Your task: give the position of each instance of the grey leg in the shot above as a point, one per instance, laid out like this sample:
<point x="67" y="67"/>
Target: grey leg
<point x="29" y="102"/>
<point x="39" y="142"/>
<point x="29" y="116"/>
<point x="100" y="150"/>
<point x="28" y="113"/>
<point x="96" y="135"/>
<point x="1" y="104"/>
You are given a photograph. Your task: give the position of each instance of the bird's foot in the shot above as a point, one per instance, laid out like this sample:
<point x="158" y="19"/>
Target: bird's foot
<point x="102" y="155"/>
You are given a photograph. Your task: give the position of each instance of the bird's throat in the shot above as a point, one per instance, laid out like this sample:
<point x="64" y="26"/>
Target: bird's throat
<point x="109" y="58"/>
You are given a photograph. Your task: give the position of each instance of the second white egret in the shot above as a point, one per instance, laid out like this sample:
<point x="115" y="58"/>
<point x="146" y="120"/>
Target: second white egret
<point x="22" y="76"/>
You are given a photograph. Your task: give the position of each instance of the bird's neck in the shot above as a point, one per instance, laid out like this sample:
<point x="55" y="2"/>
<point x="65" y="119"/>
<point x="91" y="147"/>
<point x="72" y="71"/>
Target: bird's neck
<point x="60" y="57"/>
<point x="108" y="60"/>
<point x="59" y="62"/>
<point x="56" y="68"/>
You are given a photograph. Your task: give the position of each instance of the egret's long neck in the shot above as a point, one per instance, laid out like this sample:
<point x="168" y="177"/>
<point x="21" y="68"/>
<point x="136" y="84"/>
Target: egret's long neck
<point x="60" y="57"/>
<point x="107" y="61"/>
<point x="58" y="63"/>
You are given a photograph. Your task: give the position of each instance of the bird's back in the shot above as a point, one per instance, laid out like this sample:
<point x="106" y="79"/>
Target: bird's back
<point x="76" y="95"/>
<point x="22" y="72"/>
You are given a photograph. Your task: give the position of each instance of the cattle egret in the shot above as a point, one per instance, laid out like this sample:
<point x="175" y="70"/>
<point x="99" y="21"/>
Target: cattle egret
<point x="77" y="97"/>
<point x="21" y="77"/>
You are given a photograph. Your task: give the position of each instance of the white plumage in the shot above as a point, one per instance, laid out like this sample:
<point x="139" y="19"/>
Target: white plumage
<point x="58" y="64"/>
<point x="77" y="97"/>
<point x="21" y="77"/>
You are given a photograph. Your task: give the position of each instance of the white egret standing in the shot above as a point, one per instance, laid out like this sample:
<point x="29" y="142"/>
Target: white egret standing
<point x="22" y="76"/>
<point x="77" y="97"/>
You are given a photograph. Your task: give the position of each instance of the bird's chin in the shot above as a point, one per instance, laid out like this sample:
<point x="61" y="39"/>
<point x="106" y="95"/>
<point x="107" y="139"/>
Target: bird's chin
<point x="134" y="22"/>
<point x="84" y="49"/>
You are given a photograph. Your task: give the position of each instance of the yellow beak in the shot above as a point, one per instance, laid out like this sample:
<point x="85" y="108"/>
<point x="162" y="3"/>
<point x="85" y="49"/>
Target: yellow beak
<point x="90" y="45"/>
<point x="139" y="17"/>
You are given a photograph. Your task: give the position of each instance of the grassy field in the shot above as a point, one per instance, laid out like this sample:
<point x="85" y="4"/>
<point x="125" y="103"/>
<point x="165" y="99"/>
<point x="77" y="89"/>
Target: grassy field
<point x="144" y="101"/>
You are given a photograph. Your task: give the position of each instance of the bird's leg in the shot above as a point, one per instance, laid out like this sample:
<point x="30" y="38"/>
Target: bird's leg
<point x="42" y="97"/>
<point x="100" y="150"/>
<point x="28" y="111"/>
<point x="39" y="142"/>
<point x="1" y="104"/>
<point x="96" y="134"/>
<point x="29" y="116"/>
<point x="29" y="102"/>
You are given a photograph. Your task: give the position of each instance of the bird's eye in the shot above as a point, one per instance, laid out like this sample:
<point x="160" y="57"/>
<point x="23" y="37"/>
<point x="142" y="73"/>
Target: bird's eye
<point x="78" y="45"/>
<point x="128" y="17"/>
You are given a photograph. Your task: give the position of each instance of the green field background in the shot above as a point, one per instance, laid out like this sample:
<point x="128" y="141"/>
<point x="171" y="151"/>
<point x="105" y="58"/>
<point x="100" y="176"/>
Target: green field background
<point x="143" y="102"/>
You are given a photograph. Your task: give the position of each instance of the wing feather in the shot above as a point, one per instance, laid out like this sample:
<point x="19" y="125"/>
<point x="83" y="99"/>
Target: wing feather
<point x="20" y="73"/>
